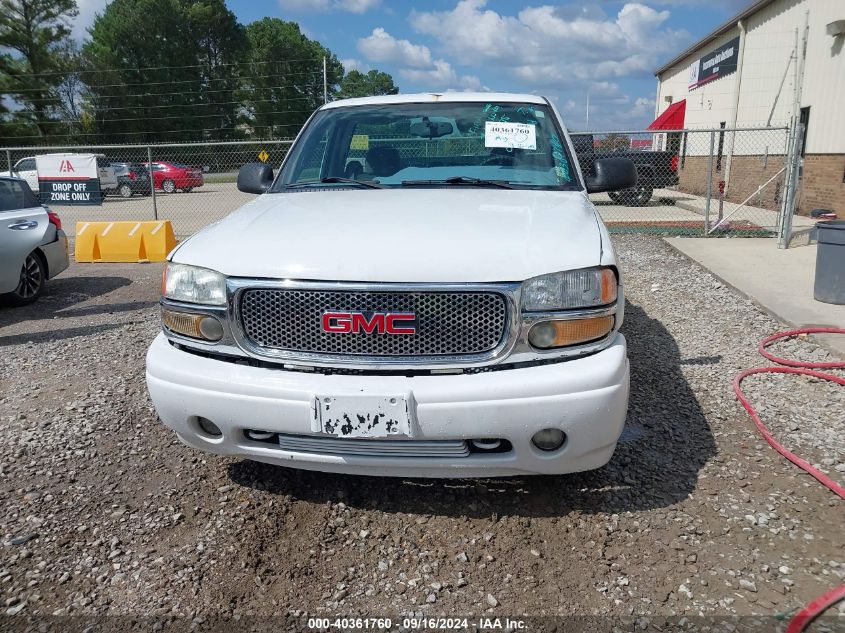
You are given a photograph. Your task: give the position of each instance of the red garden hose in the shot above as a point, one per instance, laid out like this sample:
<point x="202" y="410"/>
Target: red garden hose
<point x="812" y="610"/>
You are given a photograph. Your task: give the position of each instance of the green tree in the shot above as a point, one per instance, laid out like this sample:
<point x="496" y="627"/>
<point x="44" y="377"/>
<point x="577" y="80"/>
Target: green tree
<point x="221" y="48"/>
<point x="32" y="66"/>
<point x="164" y="70"/>
<point x="357" y="84"/>
<point x="284" y="84"/>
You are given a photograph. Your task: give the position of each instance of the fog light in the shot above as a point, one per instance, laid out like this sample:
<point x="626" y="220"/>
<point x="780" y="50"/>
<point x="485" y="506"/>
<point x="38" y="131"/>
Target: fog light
<point x="561" y="333"/>
<point x="211" y="328"/>
<point x="199" y="326"/>
<point x="549" y="439"/>
<point x="209" y="428"/>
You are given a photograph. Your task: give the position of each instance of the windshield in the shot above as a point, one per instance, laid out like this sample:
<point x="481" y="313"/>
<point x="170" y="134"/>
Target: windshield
<point x="512" y="145"/>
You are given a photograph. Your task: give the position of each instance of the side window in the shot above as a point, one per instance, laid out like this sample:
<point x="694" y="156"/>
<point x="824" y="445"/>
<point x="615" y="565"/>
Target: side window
<point x="27" y="164"/>
<point x="14" y="195"/>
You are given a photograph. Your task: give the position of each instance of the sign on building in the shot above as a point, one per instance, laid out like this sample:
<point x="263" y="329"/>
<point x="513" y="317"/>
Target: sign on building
<point x="68" y="179"/>
<point x="719" y="63"/>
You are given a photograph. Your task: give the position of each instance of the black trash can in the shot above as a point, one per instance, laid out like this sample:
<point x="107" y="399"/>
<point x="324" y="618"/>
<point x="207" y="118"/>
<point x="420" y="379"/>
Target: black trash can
<point x="830" y="262"/>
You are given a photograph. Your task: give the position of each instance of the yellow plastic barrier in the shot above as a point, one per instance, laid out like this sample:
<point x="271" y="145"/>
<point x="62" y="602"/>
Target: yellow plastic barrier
<point x="124" y="241"/>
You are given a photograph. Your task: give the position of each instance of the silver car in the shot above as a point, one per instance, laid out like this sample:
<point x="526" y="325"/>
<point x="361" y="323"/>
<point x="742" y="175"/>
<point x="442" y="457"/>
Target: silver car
<point x="33" y="247"/>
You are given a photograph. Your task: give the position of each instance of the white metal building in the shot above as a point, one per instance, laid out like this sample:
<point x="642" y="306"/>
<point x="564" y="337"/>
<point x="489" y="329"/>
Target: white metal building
<point x="745" y="74"/>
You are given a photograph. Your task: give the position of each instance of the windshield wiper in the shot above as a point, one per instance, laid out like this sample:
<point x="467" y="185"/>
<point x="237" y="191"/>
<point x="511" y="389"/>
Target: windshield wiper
<point x="328" y="180"/>
<point x="461" y="180"/>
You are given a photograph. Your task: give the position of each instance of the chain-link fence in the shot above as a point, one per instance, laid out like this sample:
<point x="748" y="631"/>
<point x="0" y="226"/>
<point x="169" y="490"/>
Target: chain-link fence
<point x="192" y="185"/>
<point x="690" y="182"/>
<point x="694" y="182"/>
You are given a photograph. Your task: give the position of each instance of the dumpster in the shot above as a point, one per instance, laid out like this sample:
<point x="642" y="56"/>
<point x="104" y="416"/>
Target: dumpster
<point x="830" y="262"/>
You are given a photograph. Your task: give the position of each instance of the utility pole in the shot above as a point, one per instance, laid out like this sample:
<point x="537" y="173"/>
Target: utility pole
<point x="325" y="83"/>
<point x="587" y="123"/>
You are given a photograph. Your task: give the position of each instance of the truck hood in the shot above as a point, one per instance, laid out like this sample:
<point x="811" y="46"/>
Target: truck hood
<point x="409" y="235"/>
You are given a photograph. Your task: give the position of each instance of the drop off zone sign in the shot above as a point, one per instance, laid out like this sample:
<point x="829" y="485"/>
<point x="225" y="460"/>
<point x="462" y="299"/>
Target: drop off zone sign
<point x="68" y="179"/>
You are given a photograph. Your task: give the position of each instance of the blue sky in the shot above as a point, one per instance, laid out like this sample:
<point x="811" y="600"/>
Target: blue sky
<point x="560" y="49"/>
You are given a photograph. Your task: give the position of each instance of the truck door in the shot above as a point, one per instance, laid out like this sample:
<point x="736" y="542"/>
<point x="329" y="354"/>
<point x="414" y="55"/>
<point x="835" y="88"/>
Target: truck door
<point x="23" y="226"/>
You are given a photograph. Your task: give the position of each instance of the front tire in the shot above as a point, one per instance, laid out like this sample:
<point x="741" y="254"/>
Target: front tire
<point x="636" y="197"/>
<point x="31" y="284"/>
<point x="168" y="186"/>
<point x="125" y="191"/>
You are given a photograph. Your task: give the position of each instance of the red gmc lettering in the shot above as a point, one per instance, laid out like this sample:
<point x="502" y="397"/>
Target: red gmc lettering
<point x="380" y="323"/>
<point x="393" y="322"/>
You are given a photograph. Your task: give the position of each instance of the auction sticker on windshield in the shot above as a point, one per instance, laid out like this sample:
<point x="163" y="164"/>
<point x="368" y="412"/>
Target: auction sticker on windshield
<point x="510" y="135"/>
<point x="363" y="416"/>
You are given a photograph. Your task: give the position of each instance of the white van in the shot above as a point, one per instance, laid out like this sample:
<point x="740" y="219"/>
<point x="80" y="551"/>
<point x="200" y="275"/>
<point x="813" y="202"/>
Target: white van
<point x="25" y="169"/>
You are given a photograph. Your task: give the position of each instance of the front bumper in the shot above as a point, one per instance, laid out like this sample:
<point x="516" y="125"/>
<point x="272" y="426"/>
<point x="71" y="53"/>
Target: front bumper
<point x="587" y="398"/>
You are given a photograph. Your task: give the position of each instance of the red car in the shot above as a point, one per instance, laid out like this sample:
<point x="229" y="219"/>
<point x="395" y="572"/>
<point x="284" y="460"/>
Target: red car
<point x="172" y="176"/>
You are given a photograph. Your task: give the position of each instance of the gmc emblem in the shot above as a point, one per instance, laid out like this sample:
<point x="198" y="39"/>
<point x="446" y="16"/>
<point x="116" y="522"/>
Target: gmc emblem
<point x="370" y="322"/>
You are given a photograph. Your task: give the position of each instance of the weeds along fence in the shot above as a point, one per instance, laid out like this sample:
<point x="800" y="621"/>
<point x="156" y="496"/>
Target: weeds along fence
<point x="690" y="182"/>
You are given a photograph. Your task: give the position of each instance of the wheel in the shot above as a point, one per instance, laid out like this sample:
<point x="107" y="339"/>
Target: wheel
<point x="168" y="186"/>
<point x="31" y="284"/>
<point x="614" y="196"/>
<point x="188" y="189"/>
<point x="125" y="191"/>
<point x="635" y="197"/>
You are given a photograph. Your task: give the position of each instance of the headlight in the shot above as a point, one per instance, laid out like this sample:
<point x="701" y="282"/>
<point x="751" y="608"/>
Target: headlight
<point x="194" y="285"/>
<point x="586" y="288"/>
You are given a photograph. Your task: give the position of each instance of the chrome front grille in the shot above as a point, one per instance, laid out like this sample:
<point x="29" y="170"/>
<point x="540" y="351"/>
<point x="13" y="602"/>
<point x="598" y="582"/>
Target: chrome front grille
<point x="448" y="323"/>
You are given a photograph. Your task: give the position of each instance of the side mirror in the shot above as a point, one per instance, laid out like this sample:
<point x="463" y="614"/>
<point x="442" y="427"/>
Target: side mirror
<point x="255" y="178"/>
<point x="611" y="174"/>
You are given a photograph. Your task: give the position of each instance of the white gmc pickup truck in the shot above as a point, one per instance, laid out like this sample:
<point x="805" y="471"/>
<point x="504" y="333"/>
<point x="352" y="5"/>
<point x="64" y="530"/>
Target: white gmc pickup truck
<point x="424" y="289"/>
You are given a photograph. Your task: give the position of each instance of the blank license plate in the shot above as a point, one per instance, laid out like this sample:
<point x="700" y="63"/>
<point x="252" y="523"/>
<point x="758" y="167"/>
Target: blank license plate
<point x="363" y="416"/>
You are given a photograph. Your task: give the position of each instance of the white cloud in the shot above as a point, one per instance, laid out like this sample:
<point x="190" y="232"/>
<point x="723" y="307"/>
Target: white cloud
<point x="354" y="64"/>
<point x="558" y="47"/>
<point x="382" y="47"/>
<point x="321" y="6"/>
<point x="88" y="9"/>
<point x="441" y="76"/>
<point x="415" y="62"/>
<point x="357" y="6"/>
<point x="441" y="73"/>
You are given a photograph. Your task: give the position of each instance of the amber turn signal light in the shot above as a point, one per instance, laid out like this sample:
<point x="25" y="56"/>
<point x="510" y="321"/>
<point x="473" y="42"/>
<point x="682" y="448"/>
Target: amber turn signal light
<point x="563" y="333"/>
<point x="199" y="326"/>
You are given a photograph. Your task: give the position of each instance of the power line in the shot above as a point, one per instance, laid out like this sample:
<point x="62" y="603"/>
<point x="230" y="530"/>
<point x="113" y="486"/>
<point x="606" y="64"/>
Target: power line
<point x="159" y="94"/>
<point x="119" y="70"/>
<point x="182" y="81"/>
<point x="161" y="118"/>
<point x="245" y="102"/>
<point x="212" y="129"/>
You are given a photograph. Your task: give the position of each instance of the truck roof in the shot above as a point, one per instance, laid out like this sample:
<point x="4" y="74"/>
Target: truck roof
<point x="432" y="97"/>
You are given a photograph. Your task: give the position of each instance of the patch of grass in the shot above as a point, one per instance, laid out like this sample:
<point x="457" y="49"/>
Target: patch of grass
<point x="220" y="178"/>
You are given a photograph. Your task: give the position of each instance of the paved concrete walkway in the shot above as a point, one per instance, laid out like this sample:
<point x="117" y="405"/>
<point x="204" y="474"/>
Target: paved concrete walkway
<point x="780" y="281"/>
<point x="764" y="218"/>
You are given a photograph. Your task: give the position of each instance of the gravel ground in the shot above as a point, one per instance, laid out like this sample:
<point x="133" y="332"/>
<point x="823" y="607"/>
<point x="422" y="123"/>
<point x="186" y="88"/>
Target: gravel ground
<point x="105" y="512"/>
